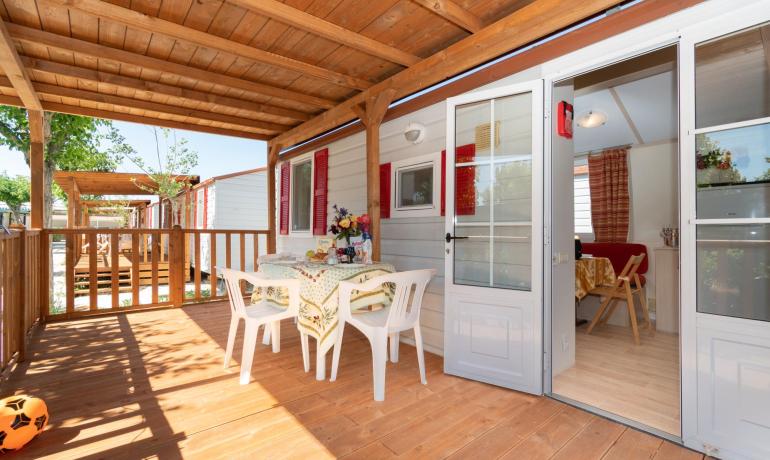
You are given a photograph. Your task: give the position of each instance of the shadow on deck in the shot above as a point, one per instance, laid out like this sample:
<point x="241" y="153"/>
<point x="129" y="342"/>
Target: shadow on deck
<point x="151" y="384"/>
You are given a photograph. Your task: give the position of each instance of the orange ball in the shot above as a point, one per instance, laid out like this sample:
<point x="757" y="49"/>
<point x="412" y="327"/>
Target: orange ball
<point x="22" y="418"/>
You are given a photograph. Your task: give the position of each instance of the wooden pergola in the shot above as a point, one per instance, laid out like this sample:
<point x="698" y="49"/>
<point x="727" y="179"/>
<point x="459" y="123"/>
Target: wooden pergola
<point x="78" y="183"/>
<point x="260" y="69"/>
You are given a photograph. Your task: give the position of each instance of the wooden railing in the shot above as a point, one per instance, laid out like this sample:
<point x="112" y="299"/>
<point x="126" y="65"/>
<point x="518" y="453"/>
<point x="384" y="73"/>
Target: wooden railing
<point x="22" y="280"/>
<point x="132" y="269"/>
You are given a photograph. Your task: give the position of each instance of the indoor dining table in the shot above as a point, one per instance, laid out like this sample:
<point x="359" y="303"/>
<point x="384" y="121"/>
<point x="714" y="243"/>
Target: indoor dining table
<point x="319" y="303"/>
<point x="591" y="272"/>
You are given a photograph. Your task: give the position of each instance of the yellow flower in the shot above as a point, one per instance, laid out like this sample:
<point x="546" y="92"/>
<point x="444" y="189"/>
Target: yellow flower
<point x="345" y="223"/>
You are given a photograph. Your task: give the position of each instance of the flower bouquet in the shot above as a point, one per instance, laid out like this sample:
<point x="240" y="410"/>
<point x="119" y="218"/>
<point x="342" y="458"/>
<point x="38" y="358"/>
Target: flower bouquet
<point x="346" y="225"/>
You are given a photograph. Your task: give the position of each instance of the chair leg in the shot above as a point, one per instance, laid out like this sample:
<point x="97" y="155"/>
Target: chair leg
<point x="337" y="350"/>
<point x="320" y="362"/>
<point x="420" y="353"/>
<point x="231" y="340"/>
<point x="645" y="310"/>
<point x="598" y="315"/>
<point x="632" y="314"/>
<point x="394" y="339"/>
<point x="249" y="344"/>
<point x="379" y="363"/>
<point x="275" y="337"/>
<point x="266" y="335"/>
<point x="610" y="311"/>
<point x="305" y="351"/>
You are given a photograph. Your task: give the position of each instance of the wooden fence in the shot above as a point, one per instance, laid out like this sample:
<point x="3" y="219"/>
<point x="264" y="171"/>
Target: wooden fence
<point x="111" y="270"/>
<point x="22" y="282"/>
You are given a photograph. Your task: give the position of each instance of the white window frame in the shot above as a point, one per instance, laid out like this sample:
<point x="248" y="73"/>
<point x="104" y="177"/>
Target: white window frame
<point x="585" y="236"/>
<point x="295" y="161"/>
<point x="431" y="210"/>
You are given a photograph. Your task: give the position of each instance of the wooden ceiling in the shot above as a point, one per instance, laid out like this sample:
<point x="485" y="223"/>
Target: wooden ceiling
<point x="250" y="68"/>
<point x="109" y="183"/>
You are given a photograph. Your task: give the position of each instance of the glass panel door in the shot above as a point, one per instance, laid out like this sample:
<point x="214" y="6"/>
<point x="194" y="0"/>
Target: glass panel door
<point x="493" y="193"/>
<point x="493" y="282"/>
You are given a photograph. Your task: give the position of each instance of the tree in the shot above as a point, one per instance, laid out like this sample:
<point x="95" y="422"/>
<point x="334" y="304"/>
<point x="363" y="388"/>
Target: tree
<point x="174" y="165"/>
<point x="70" y="143"/>
<point x="14" y="191"/>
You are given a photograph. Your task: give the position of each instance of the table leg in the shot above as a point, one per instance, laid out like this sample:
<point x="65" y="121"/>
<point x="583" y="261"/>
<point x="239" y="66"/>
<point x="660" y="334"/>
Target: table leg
<point x="320" y="362"/>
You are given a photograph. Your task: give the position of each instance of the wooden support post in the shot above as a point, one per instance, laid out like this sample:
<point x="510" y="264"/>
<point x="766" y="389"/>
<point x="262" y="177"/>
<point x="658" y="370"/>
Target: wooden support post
<point x="36" y="166"/>
<point x="272" y="161"/>
<point x="176" y="266"/>
<point x="371" y="114"/>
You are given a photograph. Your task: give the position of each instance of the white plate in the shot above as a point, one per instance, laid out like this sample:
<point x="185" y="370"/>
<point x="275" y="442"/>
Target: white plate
<point x="350" y="265"/>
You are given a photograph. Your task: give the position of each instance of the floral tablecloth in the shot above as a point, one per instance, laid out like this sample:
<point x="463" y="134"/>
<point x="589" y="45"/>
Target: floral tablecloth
<point x="591" y="272"/>
<point x="318" y="293"/>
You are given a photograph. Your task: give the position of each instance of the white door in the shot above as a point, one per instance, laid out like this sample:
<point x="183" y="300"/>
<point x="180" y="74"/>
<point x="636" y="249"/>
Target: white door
<point x="494" y="229"/>
<point x="726" y="234"/>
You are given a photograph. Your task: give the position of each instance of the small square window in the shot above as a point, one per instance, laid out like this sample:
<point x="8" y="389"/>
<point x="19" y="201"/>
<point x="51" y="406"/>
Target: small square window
<point x="415" y="186"/>
<point x="301" y="193"/>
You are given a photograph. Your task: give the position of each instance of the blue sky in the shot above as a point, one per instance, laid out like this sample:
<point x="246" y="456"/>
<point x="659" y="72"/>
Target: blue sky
<point x="217" y="155"/>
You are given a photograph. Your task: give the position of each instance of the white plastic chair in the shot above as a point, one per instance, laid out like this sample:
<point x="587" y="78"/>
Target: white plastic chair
<point x="379" y="325"/>
<point x="255" y="315"/>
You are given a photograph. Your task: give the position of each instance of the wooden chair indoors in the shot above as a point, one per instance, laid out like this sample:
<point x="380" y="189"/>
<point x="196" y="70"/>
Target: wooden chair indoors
<point x="626" y="285"/>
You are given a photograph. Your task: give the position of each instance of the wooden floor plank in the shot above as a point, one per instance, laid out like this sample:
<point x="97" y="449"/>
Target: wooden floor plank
<point x="552" y="436"/>
<point x="152" y="385"/>
<point x="634" y="445"/>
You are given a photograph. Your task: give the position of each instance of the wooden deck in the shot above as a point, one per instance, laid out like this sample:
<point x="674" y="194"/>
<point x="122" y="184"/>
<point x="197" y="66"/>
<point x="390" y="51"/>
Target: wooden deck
<point x="151" y="385"/>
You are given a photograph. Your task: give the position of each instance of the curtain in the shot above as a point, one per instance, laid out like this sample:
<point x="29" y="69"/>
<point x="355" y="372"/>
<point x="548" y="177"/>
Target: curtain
<point x="608" y="183"/>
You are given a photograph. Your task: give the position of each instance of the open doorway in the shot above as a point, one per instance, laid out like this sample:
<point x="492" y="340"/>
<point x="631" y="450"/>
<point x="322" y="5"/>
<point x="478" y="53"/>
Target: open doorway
<point x="615" y="272"/>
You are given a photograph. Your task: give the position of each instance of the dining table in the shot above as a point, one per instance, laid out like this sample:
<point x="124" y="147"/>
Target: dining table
<point x="319" y="300"/>
<point x="592" y="272"/>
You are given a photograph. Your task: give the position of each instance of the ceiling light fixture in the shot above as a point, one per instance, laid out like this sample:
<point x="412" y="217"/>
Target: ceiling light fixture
<point x="592" y="119"/>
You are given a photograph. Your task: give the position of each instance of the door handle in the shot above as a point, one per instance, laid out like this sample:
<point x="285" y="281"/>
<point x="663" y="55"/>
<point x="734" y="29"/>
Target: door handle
<point x="449" y="237"/>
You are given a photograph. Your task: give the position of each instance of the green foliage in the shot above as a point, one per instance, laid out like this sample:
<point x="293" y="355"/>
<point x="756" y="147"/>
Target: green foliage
<point x="71" y="143"/>
<point x="175" y="161"/>
<point x="14" y="191"/>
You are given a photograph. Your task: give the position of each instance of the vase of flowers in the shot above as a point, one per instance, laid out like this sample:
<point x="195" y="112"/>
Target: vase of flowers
<point x="346" y="225"/>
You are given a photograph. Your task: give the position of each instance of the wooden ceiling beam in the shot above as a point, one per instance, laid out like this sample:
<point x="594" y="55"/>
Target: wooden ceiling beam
<point x="12" y="66"/>
<point x="131" y="103"/>
<point x="152" y="24"/>
<point x="152" y="87"/>
<point x="301" y="20"/>
<point x="453" y="13"/>
<point x="131" y="118"/>
<point x="534" y="21"/>
<point x="61" y="42"/>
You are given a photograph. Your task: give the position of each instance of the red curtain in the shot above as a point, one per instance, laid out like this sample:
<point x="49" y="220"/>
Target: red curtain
<point x="608" y="183"/>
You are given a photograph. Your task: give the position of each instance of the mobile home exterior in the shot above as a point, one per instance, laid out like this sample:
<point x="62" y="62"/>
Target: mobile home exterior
<point x="725" y="362"/>
<point x="232" y="201"/>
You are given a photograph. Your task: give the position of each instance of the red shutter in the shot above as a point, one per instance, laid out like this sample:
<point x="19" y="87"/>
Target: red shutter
<point x="320" y="179"/>
<point x="385" y="191"/>
<point x="465" y="178"/>
<point x="285" y="172"/>
<point x="443" y="182"/>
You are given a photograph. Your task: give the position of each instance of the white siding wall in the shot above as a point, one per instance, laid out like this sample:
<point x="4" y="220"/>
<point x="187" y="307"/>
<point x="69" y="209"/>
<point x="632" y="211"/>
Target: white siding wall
<point x="407" y="243"/>
<point x="236" y="203"/>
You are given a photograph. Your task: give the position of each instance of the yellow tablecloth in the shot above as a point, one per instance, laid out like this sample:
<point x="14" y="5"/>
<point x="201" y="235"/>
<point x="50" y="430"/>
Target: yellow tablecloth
<point x="318" y="293"/>
<point x="591" y="272"/>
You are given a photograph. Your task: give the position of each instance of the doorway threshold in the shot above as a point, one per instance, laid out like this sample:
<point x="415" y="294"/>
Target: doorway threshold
<point x="617" y="418"/>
